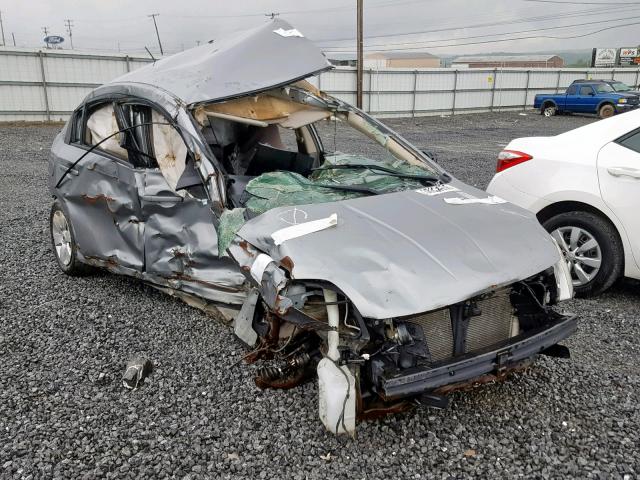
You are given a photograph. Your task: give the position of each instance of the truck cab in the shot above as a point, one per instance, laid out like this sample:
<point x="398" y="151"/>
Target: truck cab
<point x="586" y="97"/>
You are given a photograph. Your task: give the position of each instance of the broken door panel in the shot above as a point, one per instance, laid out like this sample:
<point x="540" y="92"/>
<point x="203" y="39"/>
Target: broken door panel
<point x="181" y="244"/>
<point x="102" y="201"/>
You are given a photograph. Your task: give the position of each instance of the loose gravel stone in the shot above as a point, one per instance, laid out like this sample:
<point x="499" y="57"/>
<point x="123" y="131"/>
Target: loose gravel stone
<point x="64" y="343"/>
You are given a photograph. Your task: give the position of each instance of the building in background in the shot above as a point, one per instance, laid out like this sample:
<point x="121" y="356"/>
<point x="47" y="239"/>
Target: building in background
<point x="401" y="60"/>
<point x="340" y="59"/>
<point x="515" y="61"/>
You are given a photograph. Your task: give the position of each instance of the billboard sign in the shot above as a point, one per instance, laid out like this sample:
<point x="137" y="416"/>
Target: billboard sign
<point x="53" y="39"/>
<point x="616" y="57"/>
<point x="629" y="56"/>
<point x="605" y="57"/>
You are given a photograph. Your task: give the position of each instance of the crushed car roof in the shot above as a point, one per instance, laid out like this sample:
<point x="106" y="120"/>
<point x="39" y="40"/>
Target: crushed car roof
<point x="243" y="63"/>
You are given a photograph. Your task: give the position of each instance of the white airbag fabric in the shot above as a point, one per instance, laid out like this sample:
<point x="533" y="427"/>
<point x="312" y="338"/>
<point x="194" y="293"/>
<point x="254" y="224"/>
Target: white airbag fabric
<point x="170" y="150"/>
<point x="101" y="124"/>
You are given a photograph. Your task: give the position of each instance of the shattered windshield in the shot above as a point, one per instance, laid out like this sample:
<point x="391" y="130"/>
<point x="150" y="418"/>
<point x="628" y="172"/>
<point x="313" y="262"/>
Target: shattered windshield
<point x="295" y="146"/>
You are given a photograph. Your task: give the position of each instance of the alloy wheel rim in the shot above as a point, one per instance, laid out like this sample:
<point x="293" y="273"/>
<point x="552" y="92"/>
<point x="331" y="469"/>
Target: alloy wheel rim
<point x="61" y="237"/>
<point x="581" y="251"/>
<point x="548" y="112"/>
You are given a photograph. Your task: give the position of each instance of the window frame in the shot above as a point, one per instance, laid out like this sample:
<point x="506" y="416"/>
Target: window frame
<point x="117" y="101"/>
<point x="132" y="100"/>
<point x="591" y="91"/>
<point x="82" y="143"/>
<point x="76" y="122"/>
<point x="626" y="136"/>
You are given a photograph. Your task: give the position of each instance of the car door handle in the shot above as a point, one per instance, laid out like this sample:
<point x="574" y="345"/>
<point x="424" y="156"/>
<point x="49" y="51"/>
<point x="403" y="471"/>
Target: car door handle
<point x="162" y="199"/>
<point x="624" y="171"/>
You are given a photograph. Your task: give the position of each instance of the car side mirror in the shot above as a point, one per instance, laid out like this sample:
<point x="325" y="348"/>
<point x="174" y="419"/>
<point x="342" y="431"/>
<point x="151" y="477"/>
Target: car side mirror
<point x="592" y="94"/>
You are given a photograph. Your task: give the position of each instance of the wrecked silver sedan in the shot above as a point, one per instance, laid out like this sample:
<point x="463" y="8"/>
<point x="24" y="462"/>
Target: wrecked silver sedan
<point x="216" y="175"/>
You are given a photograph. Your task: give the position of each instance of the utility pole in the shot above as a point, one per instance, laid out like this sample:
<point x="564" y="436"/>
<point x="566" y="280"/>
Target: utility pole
<point x="46" y="33"/>
<point x="153" y="16"/>
<point x="360" y="60"/>
<point x="69" y="23"/>
<point x="2" y="29"/>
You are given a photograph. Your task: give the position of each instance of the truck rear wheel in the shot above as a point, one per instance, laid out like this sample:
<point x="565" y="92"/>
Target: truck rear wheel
<point x="606" y="111"/>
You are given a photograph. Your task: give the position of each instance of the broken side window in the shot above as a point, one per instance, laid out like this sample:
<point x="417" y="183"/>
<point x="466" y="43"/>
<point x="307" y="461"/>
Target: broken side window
<point x="75" y="126"/>
<point x="155" y="143"/>
<point x="251" y="150"/>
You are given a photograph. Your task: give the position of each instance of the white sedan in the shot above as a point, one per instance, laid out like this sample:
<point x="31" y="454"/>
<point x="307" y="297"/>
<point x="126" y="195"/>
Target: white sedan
<point x="584" y="187"/>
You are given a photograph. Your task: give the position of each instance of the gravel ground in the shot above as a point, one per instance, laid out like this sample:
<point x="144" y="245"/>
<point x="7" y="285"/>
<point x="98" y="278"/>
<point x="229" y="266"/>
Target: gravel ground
<point x="64" y="342"/>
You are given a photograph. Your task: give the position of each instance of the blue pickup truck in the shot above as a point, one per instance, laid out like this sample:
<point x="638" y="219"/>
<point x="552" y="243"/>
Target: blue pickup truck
<point x="586" y="97"/>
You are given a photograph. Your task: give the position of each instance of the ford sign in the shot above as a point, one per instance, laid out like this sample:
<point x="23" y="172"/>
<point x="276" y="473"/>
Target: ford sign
<point x="53" y="39"/>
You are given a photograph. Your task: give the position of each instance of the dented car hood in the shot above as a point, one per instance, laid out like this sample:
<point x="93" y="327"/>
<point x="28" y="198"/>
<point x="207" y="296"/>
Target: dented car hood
<point x="409" y="252"/>
<point x="242" y="63"/>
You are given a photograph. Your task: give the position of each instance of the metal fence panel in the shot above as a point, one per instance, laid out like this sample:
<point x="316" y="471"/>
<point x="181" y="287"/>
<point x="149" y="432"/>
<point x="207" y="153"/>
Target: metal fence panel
<point x="64" y="99"/>
<point x="22" y="98"/>
<point x="48" y="84"/>
<point x="82" y="70"/>
<point x="434" y="101"/>
<point x="19" y="68"/>
<point x="443" y="79"/>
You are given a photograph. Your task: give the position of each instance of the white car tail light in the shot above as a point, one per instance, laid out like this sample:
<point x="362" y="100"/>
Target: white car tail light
<point x="510" y="158"/>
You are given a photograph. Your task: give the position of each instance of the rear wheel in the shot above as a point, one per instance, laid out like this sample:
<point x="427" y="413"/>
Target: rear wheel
<point x="591" y="247"/>
<point x="549" y="110"/>
<point x="606" y="111"/>
<point x="63" y="242"/>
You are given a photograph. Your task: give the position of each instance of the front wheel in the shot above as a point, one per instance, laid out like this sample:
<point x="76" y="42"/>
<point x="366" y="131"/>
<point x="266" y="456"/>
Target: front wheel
<point x="591" y="247"/>
<point x="606" y="111"/>
<point x="549" y="110"/>
<point x="63" y="242"/>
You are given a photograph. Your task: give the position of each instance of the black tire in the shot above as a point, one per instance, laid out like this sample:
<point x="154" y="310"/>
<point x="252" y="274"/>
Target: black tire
<point x="548" y="110"/>
<point x="606" y="111"/>
<point x="69" y="265"/>
<point x="612" y="252"/>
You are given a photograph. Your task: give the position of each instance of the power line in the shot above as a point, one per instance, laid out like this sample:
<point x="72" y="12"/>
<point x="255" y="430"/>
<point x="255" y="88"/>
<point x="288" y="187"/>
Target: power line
<point x="69" y="24"/>
<point x="510" y="39"/>
<point x="262" y="14"/>
<point x="541" y="18"/>
<point x="502" y="33"/>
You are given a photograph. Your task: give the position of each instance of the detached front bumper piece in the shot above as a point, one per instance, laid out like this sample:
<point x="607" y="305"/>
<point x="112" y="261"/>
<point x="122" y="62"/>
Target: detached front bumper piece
<point x="497" y="359"/>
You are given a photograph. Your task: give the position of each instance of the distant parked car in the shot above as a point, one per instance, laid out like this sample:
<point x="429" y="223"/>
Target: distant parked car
<point x="584" y="187"/>
<point x="588" y="97"/>
<point x="619" y="87"/>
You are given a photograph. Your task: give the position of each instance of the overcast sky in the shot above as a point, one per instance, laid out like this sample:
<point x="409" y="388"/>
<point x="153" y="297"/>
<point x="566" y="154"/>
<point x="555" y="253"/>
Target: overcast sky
<point x="111" y="24"/>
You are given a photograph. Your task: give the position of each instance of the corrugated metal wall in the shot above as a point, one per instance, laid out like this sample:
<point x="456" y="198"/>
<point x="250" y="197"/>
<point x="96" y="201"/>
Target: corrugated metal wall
<point x="48" y="84"/>
<point x="393" y="92"/>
